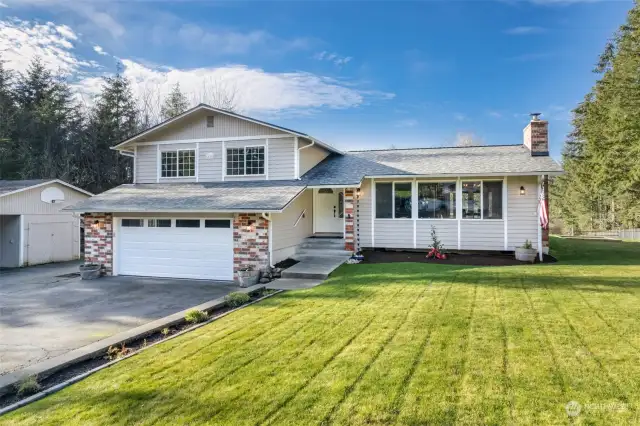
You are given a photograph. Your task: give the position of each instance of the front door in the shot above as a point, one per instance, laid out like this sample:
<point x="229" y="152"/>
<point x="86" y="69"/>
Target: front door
<point x="329" y="210"/>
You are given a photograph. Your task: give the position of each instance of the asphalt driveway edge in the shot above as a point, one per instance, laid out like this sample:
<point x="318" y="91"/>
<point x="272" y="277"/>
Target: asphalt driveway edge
<point x="50" y="366"/>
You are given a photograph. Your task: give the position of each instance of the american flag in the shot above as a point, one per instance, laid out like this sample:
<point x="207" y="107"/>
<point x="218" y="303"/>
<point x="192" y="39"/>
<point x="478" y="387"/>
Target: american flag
<point x="543" y="208"/>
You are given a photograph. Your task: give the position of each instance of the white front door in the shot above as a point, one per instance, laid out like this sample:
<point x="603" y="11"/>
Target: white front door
<point x="176" y="248"/>
<point x="329" y="210"/>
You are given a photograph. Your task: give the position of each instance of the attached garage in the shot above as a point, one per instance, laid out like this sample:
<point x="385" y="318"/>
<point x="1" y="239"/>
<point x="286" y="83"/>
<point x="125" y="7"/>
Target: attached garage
<point x="174" y="247"/>
<point x="34" y="229"/>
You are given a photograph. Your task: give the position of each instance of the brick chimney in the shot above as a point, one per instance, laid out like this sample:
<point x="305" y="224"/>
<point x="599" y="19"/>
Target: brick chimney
<point x="536" y="135"/>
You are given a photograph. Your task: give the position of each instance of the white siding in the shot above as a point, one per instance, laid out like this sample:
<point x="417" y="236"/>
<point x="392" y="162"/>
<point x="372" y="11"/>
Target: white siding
<point x="447" y="231"/>
<point x="195" y="127"/>
<point x="210" y="161"/>
<point x="29" y="202"/>
<point x="311" y="156"/>
<point x="522" y="211"/>
<point x="146" y="163"/>
<point x="394" y="233"/>
<point x="281" y="159"/>
<point x="363" y="218"/>
<point x="475" y="234"/>
<point x="286" y="237"/>
<point x="482" y="234"/>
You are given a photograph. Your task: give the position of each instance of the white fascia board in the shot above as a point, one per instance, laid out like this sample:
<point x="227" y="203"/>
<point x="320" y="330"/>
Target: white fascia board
<point x="452" y="175"/>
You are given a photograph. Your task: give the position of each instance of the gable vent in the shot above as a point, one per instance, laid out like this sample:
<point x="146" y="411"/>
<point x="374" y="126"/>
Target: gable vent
<point x="209" y="120"/>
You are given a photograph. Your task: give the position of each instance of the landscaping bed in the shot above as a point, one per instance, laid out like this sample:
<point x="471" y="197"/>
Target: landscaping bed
<point x="471" y="259"/>
<point x="128" y="348"/>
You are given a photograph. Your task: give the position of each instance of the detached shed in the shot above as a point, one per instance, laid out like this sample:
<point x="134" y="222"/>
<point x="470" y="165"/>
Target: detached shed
<point x="33" y="227"/>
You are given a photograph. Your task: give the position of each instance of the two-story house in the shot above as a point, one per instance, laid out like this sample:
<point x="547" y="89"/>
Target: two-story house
<point x="214" y="192"/>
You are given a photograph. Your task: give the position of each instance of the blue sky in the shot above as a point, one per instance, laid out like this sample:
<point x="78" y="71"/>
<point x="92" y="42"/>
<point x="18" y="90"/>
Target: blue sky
<point x="358" y="75"/>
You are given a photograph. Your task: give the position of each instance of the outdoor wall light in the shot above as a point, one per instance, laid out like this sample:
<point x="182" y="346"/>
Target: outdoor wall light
<point x="522" y="190"/>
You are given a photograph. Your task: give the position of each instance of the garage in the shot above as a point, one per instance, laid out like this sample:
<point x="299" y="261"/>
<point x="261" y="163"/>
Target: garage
<point x="196" y="248"/>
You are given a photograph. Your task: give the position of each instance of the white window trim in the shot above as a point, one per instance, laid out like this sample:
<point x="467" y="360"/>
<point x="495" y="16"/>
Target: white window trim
<point x="482" y="181"/>
<point x="177" y="151"/>
<point x="436" y="181"/>
<point x="244" y="148"/>
<point x="393" y="200"/>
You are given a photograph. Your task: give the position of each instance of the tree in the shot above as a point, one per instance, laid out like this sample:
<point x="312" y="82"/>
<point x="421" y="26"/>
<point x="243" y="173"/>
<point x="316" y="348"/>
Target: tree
<point x="174" y="104"/>
<point x="9" y="164"/>
<point x="601" y="187"/>
<point x="464" y="139"/>
<point x="113" y="118"/>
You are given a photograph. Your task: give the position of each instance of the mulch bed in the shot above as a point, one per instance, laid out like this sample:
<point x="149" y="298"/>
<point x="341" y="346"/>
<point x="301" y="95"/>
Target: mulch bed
<point x="287" y="263"/>
<point x="87" y="365"/>
<point x="472" y="259"/>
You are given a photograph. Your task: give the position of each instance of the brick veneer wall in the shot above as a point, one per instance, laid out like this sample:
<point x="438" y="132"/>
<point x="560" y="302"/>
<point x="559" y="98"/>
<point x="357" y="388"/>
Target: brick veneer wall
<point x="250" y="242"/>
<point x="98" y="240"/>
<point x="349" y="221"/>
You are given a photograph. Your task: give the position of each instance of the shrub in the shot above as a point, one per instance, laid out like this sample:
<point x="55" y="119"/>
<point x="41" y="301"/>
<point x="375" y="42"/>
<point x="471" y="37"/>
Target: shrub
<point x="436" y="244"/>
<point x="236" y="299"/>
<point x="527" y="245"/>
<point x="28" y="385"/>
<point x="165" y="331"/>
<point x="195" y="316"/>
<point x="115" y="352"/>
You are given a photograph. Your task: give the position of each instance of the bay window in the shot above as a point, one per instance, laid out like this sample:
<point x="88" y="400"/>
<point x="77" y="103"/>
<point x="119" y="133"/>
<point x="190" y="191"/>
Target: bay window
<point x="436" y="200"/>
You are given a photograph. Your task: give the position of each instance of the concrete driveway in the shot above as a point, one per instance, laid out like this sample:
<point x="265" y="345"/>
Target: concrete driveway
<point x="44" y="313"/>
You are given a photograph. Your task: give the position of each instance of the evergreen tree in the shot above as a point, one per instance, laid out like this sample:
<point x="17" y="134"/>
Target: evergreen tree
<point x="601" y="187"/>
<point x="9" y="164"/>
<point x="113" y="119"/>
<point x="174" y="104"/>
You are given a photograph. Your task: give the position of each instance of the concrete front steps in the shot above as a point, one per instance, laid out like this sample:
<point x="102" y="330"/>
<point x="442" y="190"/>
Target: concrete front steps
<point x="317" y="257"/>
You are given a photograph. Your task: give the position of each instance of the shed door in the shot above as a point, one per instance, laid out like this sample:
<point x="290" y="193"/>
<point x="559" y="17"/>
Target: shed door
<point x="176" y="248"/>
<point x="49" y="242"/>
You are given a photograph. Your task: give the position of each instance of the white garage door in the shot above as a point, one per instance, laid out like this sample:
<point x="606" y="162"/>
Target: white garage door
<point x="176" y="248"/>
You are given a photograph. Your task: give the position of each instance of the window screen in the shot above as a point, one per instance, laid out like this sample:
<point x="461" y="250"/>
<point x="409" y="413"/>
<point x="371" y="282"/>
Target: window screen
<point x="402" y="200"/>
<point x="384" y="201"/>
<point x="492" y="200"/>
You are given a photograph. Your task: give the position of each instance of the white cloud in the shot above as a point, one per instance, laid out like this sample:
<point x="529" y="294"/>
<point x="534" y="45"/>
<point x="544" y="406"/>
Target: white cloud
<point x="332" y="57"/>
<point x="99" y="50"/>
<point x="21" y="41"/>
<point x="525" y="30"/>
<point x="409" y="122"/>
<point x="255" y="89"/>
<point x="3" y="4"/>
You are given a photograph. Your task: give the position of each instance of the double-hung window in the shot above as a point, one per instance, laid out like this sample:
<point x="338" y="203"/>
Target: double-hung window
<point x="393" y="200"/>
<point x="245" y="161"/>
<point x="179" y="163"/>
<point x="436" y="200"/>
<point x="482" y="200"/>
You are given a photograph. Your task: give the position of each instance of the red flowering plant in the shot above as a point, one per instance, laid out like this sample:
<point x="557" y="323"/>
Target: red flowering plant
<point x="436" y="247"/>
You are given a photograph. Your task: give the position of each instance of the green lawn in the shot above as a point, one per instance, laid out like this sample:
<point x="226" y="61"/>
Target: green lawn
<point x="396" y="343"/>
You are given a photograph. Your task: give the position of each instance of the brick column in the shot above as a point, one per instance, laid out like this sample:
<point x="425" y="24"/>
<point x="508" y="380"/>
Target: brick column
<point x="349" y="220"/>
<point x="250" y="241"/>
<point x="98" y="240"/>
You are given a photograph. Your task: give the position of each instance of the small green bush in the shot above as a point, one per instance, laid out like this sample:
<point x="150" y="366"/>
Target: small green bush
<point x="165" y="331"/>
<point x="28" y="386"/>
<point x="236" y="299"/>
<point x="195" y="316"/>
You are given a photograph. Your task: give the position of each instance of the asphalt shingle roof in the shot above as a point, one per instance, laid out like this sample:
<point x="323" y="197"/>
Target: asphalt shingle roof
<point x="197" y="197"/>
<point x="353" y="166"/>
<point x="7" y="186"/>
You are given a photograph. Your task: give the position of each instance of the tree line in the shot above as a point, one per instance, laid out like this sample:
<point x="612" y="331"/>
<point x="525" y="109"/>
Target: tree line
<point x="47" y="132"/>
<point x="601" y="186"/>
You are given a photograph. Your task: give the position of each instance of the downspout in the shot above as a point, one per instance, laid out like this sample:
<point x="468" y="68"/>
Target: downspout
<point x="267" y="217"/>
<point x="313" y="142"/>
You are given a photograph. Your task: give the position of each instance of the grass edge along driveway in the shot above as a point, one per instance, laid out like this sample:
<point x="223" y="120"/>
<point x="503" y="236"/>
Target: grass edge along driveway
<point x="396" y="344"/>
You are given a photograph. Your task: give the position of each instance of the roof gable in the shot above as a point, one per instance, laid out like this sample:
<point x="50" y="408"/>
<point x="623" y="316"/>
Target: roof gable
<point x="8" y="187"/>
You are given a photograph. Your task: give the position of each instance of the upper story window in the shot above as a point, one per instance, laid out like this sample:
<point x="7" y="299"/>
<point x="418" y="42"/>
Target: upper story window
<point x="245" y="161"/>
<point x="436" y="200"/>
<point x="179" y="163"/>
<point x="482" y="200"/>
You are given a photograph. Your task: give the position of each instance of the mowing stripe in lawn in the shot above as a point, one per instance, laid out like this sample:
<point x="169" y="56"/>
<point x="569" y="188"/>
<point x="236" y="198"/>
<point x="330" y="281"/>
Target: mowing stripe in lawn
<point x="288" y="369"/>
<point x="431" y="395"/>
<point x="377" y="396"/>
<point x="506" y="379"/>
